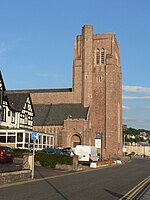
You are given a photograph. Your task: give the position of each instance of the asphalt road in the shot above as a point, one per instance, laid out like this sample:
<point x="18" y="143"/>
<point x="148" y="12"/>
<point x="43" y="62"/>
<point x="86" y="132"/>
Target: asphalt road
<point x="98" y="184"/>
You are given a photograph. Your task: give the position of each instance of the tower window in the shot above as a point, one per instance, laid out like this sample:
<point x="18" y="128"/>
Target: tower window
<point x="102" y="56"/>
<point x="97" y="56"/>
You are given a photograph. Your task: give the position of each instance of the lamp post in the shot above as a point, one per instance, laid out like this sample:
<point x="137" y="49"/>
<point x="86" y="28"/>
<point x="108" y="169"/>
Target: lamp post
<point x="124" y="146"/>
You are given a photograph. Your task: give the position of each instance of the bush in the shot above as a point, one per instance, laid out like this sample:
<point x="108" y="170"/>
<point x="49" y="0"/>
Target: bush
<point x="50" y="160"/>
<point x="20" y="152"/>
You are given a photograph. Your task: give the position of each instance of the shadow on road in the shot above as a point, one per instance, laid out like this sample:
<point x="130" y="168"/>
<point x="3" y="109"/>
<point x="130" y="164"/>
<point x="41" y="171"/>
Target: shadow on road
<point x="115" y="194"/>
<point x="49" y="183"/>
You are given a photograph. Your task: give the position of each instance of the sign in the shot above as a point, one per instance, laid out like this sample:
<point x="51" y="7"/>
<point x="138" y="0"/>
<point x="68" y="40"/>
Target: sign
<point x="98" y="143"/>
<point x="35" y="136"/>
<point x="98" y="135"/>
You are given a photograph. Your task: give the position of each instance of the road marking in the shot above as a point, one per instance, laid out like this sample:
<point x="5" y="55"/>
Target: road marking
<point x="136" y="189"/>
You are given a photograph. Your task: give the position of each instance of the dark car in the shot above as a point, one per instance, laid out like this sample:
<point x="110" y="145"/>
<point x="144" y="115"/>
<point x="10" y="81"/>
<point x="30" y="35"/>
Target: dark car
<point x="68" y="151"/>
<point x="6" y="154"/>
<point x="52" y="150"/>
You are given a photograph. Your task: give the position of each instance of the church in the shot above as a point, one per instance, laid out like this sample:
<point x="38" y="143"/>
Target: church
<point x="92" y="108"/>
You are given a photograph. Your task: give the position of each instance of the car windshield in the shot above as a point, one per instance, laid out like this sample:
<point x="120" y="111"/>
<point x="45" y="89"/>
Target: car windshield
<point x="7" y="150"/>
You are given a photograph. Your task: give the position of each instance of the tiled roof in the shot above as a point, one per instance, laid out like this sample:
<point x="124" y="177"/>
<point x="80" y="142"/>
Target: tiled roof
<point x="55" y="114"/>
<point x="17" y="100"/>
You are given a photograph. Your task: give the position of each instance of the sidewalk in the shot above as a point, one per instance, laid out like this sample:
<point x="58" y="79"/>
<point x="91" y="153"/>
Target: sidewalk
<point x="44" y="172"/>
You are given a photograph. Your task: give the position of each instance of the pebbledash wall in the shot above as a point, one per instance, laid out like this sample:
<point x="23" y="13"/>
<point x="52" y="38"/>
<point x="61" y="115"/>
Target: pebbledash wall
<point x="97" y="84"/>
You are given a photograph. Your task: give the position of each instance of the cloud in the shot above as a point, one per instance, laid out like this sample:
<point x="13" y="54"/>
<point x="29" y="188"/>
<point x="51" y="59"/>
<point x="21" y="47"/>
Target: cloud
<point x="127" y="120"/>
<point x="146" y="98"/>
<point x="134" y="120"/>
<point x="136" y="89"/>
<point x="125" y="108"/>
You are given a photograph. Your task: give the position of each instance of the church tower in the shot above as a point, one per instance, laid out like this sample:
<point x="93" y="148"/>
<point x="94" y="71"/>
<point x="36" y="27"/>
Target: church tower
<point x="97" y="84"/>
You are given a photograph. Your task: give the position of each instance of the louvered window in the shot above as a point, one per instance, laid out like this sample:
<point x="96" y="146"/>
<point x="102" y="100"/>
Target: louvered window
<point x="97" y="56"/>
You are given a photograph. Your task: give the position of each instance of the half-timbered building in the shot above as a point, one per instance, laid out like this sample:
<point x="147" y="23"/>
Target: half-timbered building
<point x="16" y="124"/>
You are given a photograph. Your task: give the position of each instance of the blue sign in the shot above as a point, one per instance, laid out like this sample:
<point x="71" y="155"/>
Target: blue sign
<point x="35" y="136"/>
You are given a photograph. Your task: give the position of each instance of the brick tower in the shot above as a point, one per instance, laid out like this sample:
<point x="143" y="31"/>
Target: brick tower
<point x="97" y="83"/>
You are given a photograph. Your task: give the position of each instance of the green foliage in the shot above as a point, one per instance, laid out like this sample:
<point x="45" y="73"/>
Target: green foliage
<point x="20" y="152"/>
<point x="134" y="132"/>
<point x="50" y="160"/>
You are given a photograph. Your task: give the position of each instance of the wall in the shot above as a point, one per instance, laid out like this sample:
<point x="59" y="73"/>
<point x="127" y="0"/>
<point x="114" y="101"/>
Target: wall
<point x="12" y="177"/>
<point x="54" y="98"/>
<point x="140" y="150"/>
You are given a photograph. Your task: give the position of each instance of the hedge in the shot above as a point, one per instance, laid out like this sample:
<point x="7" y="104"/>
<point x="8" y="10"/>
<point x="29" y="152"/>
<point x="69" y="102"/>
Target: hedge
<point x="50" y="160"/>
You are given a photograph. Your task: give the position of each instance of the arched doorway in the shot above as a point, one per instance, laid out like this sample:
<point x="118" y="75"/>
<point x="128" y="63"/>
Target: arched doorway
<point x="75" y="140"/>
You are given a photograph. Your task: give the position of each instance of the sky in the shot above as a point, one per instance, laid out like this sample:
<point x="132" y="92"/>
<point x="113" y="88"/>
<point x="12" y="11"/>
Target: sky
<point x="37" y="46"/>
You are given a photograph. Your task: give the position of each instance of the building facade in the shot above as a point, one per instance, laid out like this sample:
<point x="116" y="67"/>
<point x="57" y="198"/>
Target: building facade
<point x="94" y="103"/>
<point x="16" y="121"/>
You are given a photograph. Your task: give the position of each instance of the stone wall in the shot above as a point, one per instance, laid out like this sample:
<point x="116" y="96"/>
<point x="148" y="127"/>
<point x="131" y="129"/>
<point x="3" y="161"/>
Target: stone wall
<point x="12" y="177"/>
<point x="140" y="150"/>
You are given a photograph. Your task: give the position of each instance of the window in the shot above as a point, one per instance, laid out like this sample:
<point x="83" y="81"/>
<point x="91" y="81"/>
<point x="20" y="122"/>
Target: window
<point x="4" y="115"/>
<point x="26" y="106"/>
<point x="11" y="138"/>
<point x="51" y="141"/>
<point x="26" y="118"/>
<point x="2" y="139"/>
<point x="9" y="113"/>
<point x="27" y="137"/>
<point x="13" y="117"/>
<point x="97" y="56"/>
<point x="99" y="78"/>
<point x="19" y="137"/>
<point x="103" y="56"/>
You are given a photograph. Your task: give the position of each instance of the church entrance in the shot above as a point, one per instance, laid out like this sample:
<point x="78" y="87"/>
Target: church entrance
<point x="75" y="140"/>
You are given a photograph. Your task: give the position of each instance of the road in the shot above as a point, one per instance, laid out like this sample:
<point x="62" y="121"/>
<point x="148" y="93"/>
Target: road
<point x="97" y="184"/>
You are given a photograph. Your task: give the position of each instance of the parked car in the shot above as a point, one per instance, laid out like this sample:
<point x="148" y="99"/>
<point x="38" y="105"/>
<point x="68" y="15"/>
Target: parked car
<point x="6" y="154"/>
<point x="52" y="150"/>
<point x="68" y="151"/>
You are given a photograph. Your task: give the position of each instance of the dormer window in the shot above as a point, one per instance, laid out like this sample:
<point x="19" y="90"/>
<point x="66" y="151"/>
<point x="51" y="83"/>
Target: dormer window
<point x="97" y="56"/>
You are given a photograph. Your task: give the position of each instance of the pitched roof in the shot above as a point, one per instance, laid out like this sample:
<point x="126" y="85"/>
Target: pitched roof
<point x="55" y="114"/>
<point x="2" y="82"/>
<point x="17" y="100"/>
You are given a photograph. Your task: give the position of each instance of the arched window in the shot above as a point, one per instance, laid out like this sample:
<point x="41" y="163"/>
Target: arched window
<point x="102" y="56"/>
<point x="97" y="56"/>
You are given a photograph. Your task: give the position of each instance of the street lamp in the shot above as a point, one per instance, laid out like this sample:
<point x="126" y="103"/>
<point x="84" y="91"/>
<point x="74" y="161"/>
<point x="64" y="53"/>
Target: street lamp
<point x="124" y="146"/>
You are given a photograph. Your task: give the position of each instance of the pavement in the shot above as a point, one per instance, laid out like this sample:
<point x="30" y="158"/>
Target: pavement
<point x="45" y="172"/>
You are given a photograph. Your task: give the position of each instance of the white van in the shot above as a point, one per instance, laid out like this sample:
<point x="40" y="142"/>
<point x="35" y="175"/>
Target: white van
<point x="86" y="154"/>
